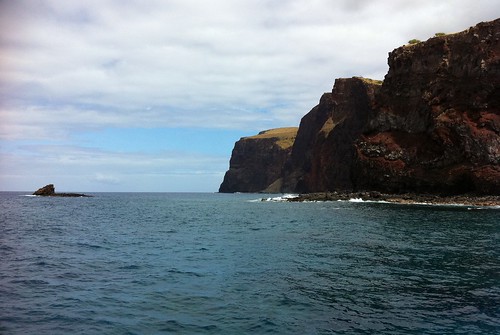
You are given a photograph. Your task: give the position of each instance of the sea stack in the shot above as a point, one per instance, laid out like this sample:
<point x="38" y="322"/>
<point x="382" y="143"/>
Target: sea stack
<point x="50" y="191"/>
<point x="46" y="191"/>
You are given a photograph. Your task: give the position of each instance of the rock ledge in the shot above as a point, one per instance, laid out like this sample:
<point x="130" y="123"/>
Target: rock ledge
<point x="407" y="198"/>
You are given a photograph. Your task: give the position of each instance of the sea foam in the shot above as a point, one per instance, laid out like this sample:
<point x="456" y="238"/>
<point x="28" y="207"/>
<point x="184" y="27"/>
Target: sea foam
<point x="281" y="198"/>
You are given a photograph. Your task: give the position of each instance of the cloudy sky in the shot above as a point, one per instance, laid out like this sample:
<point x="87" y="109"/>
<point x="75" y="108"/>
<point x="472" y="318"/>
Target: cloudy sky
<point x="140" y="95"/>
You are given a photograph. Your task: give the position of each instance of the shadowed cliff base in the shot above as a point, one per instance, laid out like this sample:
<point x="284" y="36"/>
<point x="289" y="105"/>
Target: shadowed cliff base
<point x="431" y="127"/>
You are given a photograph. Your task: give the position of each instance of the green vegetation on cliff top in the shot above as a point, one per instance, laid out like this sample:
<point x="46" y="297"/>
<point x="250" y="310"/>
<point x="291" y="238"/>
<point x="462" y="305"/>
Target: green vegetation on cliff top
<point x="284" y="136"/>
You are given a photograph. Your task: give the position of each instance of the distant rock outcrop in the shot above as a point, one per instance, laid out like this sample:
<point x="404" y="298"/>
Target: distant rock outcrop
<point x="432" y="126"/>
<point x="257" y="161"/>
<point x="47" y="190"/>
<point x="50" y="191"/>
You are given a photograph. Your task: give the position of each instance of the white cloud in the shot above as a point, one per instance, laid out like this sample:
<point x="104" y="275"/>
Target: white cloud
<point x="193" y="55"/>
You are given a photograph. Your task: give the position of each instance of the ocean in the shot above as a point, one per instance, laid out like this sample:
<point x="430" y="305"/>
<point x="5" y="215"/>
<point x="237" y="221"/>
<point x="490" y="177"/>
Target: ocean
<point x="200" y="263"/>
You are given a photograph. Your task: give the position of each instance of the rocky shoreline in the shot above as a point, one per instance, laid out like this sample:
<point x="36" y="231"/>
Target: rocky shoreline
<point x="407" y="198"/>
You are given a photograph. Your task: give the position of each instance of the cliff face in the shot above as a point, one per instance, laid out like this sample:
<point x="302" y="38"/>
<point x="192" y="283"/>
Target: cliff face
<point x="437" y="120"/>
<point x="432" y="126"/>
<point x="257" y="161"/>
<point x="322" y="156"/>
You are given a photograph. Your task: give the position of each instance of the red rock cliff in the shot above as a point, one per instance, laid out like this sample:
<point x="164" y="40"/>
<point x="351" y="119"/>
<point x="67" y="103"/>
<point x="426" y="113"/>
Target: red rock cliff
<point x="435" y="127"/>
<point x="432" y="126"/>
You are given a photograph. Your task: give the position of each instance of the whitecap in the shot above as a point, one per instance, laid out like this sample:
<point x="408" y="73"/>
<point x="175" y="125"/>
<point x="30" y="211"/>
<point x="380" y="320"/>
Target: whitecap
<point x="281" y="198"/>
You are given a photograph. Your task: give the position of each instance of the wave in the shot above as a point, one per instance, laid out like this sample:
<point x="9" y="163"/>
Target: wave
<point x="287" y="197"/>
<point x="281" y="198"/>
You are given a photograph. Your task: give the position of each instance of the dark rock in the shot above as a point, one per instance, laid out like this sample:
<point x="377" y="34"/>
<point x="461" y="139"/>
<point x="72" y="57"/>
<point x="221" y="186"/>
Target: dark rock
<point x="406" y="198"/>
<point x="436" y="124"/>
<point x="322" y="156"/>
<point x="47" y="190"/>
<point x="257" y="161"/>
<point x="50" y="191"/>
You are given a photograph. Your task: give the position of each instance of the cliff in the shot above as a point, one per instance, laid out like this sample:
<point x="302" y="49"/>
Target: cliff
<point x="257" y="161"/>
<point x="432" y="126"/>
<point x="437" y="120"/>
<point x="322" y="156"/>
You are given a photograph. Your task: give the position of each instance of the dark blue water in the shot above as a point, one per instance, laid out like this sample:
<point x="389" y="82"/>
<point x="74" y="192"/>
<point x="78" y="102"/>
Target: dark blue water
<point x="142" y="263"/>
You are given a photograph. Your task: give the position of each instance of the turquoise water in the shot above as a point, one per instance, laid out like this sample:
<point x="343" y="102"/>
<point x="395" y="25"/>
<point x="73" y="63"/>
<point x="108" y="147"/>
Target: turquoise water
<point x="165" y="263"/>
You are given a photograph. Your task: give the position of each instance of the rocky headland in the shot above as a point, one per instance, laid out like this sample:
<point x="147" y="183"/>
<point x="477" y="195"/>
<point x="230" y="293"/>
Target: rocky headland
<point x="257" y="161"/>
<point x="431" y="127"/>
<point x="50" y="191"/>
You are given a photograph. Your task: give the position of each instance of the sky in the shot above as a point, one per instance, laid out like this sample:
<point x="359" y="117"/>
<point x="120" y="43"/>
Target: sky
<point x="150" y="96"/>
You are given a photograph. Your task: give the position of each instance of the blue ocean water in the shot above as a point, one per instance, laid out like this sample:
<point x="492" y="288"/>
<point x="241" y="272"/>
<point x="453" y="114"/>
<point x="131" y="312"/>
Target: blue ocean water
<point x="165" y="263"/>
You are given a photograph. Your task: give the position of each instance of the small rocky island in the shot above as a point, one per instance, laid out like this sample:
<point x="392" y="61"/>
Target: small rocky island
<point x="50" y="191"/>
<point x="432" y="126"/>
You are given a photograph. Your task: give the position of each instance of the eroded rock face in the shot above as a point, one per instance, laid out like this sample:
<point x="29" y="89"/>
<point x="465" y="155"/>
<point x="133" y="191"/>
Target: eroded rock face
<point x="432" y="126"/>
<point x="47" y="190"/>
<point x="437" y="120"/>
<point x="257" y="161"/>
<point x="322" y="156"/>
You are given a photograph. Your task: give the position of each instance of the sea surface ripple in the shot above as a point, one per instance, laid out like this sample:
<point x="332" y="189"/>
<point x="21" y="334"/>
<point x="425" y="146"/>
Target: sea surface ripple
<point x="179" y="263"/>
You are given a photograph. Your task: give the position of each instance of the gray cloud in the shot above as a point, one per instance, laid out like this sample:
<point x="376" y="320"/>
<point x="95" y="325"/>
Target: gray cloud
<point x="192" y="55"/>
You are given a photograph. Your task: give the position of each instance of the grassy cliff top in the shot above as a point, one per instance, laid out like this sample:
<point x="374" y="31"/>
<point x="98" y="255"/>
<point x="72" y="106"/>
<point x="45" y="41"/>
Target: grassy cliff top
<point x="284" y="136"/>
<point x="370" y="81"/>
